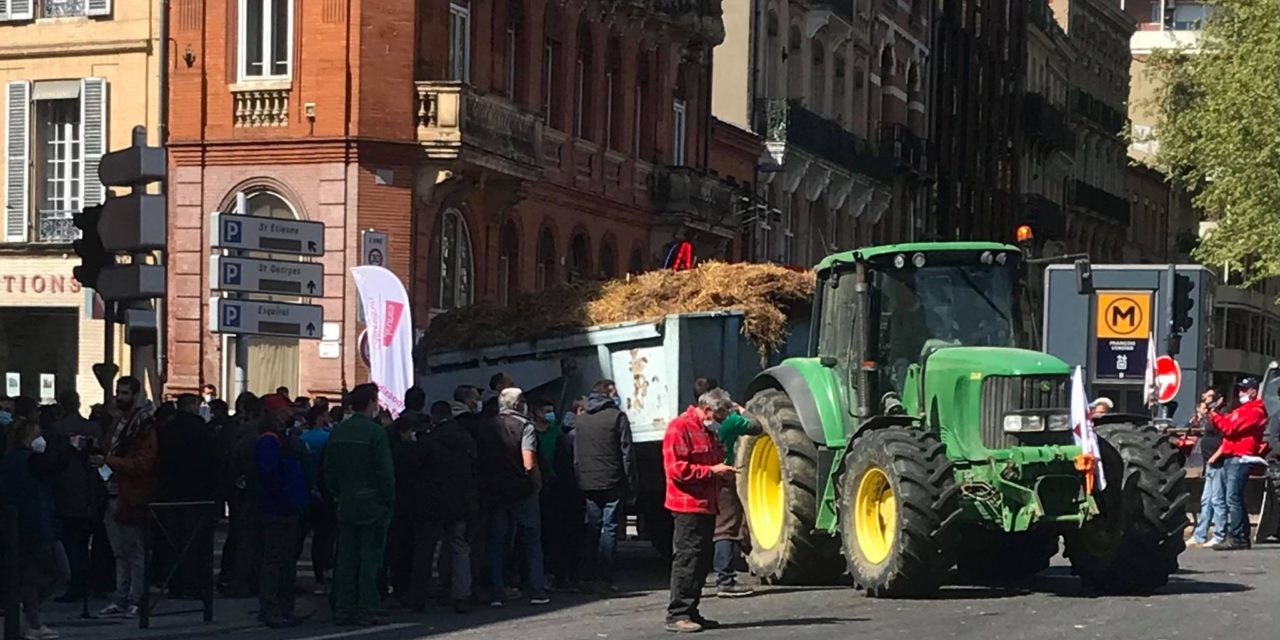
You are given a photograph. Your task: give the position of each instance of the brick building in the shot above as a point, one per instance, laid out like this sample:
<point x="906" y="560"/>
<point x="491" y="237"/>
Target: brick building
<point x="504" y="145"/>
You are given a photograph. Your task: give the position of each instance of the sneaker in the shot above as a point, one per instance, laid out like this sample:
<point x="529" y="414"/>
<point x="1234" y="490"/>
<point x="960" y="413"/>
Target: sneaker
<point x="707" y="623"/>
<point x="1192" y="543"/>
<point x="496" y="604"/>
<point x="42" y="632"/>
<point x="512" y="593"/>
<point x="111" y="610"/>
<point x="1229" y="545"/>
<point x="734" y="590"/>
<point x="131" y="611"/>
<point x="540" y="600"/>
<point x="684" y="626"/>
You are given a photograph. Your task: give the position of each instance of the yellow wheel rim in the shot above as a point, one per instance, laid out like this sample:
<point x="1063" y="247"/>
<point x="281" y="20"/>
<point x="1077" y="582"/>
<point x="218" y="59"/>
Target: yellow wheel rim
<point x="766" y="498"/>
<point x="875" y="516"/>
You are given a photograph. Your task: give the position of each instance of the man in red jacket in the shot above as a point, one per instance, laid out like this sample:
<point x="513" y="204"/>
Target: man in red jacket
<point x="693" y="458"/>
<point x="1242" y="431"/>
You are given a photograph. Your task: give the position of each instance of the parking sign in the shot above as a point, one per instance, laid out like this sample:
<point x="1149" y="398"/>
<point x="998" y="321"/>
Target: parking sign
<point x="230" y="315"/>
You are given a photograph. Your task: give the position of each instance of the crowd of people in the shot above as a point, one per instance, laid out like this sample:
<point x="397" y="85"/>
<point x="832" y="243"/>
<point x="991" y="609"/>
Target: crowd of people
<point x="483" y="498"/>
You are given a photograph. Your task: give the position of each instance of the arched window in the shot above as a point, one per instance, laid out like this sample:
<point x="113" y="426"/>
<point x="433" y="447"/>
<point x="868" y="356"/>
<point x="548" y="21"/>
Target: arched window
<point x="818" y="78"/>
<point x="774" y="54"/>
<point x="584" y="71"/>
<point x="915" y="119"/>
<point x="578" y="267"/>
<point x="552" y="103"/>
<point x="545" y="271"/>
<point x="840" y="91"/>
<point x="795" y="64"/>
<point x="508" y="262"/>
<point x="641" y="133"/>
<point x="608" y="260"/>
<point x="636" y="267"/>
<point x="886" y="81"/>
<point x="452" y="248"/>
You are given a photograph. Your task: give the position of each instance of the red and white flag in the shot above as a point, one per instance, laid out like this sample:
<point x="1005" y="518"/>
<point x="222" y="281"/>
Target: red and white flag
<point x="390" y="334"/>
<point x="1082" y="431"/>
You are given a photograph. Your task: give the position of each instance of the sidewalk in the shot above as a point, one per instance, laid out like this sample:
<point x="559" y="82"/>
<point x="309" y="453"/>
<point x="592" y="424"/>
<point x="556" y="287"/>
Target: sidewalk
<point x="166" y="621"/>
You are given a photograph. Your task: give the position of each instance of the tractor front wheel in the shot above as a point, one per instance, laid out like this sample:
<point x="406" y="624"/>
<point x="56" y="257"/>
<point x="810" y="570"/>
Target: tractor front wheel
<point x="899" y="507"/>
<point x="778" y="487"/>
<point x="1132" y="547"/>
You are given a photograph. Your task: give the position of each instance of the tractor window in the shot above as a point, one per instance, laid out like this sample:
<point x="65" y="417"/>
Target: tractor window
<point x="969" y="305"/>
<point x="839" y="308"/>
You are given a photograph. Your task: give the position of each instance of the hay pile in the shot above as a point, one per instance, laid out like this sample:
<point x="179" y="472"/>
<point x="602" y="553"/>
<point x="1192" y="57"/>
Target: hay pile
<point x="766" y="294"/>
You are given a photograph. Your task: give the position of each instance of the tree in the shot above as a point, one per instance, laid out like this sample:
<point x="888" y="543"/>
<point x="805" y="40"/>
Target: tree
<point x="1218" y="127"/>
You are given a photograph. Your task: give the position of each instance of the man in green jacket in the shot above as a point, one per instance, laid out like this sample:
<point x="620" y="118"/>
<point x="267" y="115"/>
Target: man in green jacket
<point x="360" y="475"/>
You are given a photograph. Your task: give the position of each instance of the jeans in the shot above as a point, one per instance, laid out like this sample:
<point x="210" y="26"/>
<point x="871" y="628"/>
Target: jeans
<point x="525" y="519"/>
<point x="1236" y="475"/>
<point x="602" y="536"/>
<point x="725" y="562"/>
<point x="1213" y="505"/>
<point x="277" y="594"/>
<point x="455" y="559"/>
<point x="127" y="543"/>
<point x="691" y="555"/>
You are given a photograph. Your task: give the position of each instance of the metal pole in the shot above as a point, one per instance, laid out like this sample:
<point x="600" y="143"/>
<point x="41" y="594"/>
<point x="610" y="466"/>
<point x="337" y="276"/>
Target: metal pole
<point x="162" y="325"/>
<point x="241" y="378"/>
<point x="108" y="350"/>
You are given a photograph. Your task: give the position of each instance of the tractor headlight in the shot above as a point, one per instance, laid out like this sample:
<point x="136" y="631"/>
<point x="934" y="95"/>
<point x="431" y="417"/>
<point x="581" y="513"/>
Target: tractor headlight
<point x="1058" y="422"/>
<point x="1014" y="423"/>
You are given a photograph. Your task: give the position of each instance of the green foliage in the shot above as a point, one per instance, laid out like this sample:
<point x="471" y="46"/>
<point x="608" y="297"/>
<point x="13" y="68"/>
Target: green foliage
<point x="1218" y="125"/>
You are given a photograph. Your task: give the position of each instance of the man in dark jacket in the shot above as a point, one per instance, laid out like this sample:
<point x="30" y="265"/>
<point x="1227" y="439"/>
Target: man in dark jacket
<point x="131" y="479"/>
<point x="187" y="468"/>
<point x="359" y="472"/>
<point x="406" y="430"/>
<point x="282" y="493"/>
<point x="607" y="475"/>
<point x="444" y="463"/>
<point x="80" y="493"/>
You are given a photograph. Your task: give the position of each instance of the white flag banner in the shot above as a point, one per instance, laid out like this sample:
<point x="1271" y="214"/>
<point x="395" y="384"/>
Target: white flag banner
<point x="1149" y="379"/>
<point x="390" y="334"/>
<point x="1082" y="427"/>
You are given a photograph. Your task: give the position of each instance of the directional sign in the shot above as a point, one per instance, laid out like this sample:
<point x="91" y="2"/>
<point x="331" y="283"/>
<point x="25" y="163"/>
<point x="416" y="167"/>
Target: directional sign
<point x="253" y="317"/>
<point x="276" y="235"/>
<point x="1168" y="379"/>
<point x="250" y="275"/>
<point x="1121" y="331"/>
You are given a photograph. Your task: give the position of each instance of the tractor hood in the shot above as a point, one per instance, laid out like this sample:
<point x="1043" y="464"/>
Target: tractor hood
<point x="975" y="363"/>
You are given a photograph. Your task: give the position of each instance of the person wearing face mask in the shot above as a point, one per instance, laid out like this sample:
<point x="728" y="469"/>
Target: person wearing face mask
<point x="561" y="500"/>
<point x="282" y="494"/>
<point x="605" y="461"/>
<point x="693" y="461"/>
<point x="1242" y="430"/>
<point x="27" y="473"/>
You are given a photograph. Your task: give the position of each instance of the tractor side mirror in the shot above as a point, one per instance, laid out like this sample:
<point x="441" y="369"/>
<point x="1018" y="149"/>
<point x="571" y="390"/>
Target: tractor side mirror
<point x="1084" y="277"/>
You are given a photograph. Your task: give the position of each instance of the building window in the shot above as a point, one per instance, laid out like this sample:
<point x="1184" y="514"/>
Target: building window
<point x="608" y="260"/>
<point x="62" y="8"/>
<point x="548" y="81"/>
<point x="508" y="262"/>
<point x="266" y="42"/>
<point x="585" y="104"/>
<point x="579" y="95"/>
<point x="58" y="170"/>
<point x="614" y="98"/>
<point x="459" y="42"/>
<point x="453" y="262"/>
<point x="789" y="231"/>
<point x="636" y="267"/>
<point x="579" y="262"/>
<point x="545" y="270"/>
<point x="511" y="61"/>
<point x="679" y="129"/>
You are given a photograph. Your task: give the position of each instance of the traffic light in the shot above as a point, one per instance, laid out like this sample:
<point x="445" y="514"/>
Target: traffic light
<point x="1183" y="302"/>
<point x="93" y="257"/>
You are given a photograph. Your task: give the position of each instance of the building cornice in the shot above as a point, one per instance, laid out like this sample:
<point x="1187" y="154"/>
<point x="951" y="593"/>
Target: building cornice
<point x="73" y="49"/>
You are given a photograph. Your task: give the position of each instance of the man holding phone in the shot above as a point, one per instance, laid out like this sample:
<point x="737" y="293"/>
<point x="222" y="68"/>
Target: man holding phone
<point x="693" y="459"/>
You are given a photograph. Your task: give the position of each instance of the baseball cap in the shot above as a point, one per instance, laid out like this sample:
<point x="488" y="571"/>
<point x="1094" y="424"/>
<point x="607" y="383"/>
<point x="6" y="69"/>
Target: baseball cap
<point x="1248" y="382"/>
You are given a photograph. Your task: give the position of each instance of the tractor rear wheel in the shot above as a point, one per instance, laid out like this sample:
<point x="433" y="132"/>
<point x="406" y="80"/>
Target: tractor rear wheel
<point x="1132" y="547"/>
<point x="899" y="507"/>
<point x="993" y="556"/>
<point x="778" y="486"/>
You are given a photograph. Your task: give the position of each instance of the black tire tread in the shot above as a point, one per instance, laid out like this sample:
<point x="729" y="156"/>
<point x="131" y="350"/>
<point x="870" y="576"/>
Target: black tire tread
<point x="929" y="510"/>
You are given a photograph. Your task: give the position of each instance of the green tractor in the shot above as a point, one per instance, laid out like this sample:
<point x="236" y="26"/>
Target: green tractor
<point x="915" y="438"/>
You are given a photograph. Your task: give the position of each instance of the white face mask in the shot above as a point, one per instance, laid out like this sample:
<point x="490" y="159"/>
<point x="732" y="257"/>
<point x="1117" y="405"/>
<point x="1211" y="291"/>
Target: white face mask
<point x="208" y="399"/>
<point x="711" y="425"/>
<point x="1244" y="398"/>
<point x="39" y="445"/>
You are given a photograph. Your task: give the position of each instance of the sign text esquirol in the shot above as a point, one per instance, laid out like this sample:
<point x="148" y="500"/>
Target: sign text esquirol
<point x="274" y="235"/>
<point x="253" y="317"/>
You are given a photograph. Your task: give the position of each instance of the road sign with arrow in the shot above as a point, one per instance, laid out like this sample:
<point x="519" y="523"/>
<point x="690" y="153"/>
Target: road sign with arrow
<point x="254" y="317"/>
<point x="251" y="275"/>
<point x="272" y="235"/>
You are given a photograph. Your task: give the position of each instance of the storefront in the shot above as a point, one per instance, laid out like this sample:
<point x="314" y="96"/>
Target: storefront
<point x="49" y="339"/>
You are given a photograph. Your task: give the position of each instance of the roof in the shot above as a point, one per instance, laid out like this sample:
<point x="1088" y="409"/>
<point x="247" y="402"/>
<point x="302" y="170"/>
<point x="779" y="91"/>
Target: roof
<point x="868" y="253"/>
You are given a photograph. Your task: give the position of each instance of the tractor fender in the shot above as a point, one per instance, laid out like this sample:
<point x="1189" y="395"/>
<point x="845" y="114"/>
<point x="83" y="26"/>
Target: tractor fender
<point x="811" y="388"/>
<point x="875" y="423"/>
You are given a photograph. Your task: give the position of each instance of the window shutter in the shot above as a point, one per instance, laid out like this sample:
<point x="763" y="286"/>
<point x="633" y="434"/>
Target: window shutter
<point x="20" y="9"/>
<point x="93" y="137"/>
<point x="98" y="8"/>
<point x="16" y="133"/>
<point x="4" y="10"/>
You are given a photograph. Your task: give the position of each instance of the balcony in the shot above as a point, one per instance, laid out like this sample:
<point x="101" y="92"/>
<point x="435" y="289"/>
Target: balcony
<point x="690" y="197"/>
<point x="783" y="123"/>
<point x="1045" y="122"/>
<point x="1113" y="208"/>
<point x="840" y="8"/>
<point x="700" y="20"/>
<point x="457" y="122"/>
<point x="1086" y="106"/>
<point x="903" y="149"/>
<point x="1044" y="216"/>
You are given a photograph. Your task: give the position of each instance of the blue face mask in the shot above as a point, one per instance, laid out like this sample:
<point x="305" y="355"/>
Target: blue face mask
<point x="550" y="417"/>
<point x="617" y="400"/>
<point x="6" y="418"/>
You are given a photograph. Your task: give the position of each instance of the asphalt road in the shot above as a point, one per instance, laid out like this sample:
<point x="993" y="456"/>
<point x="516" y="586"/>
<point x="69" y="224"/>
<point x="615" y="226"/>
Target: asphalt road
<point x="1216" y="595"/>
